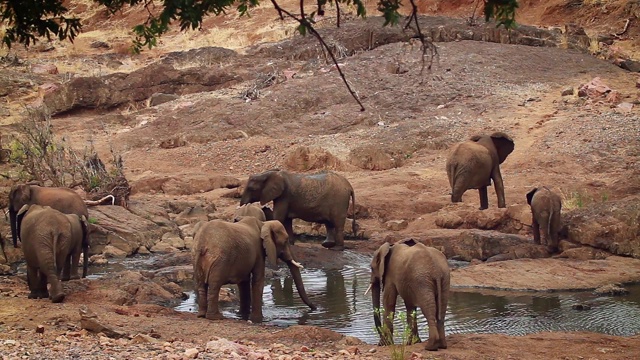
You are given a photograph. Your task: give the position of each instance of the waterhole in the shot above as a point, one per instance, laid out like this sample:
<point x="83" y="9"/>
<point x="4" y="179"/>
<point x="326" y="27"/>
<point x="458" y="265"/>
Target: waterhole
<point x="343" y="307"/>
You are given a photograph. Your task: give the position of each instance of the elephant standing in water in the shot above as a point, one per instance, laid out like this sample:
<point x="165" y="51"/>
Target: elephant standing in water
<point x="322" y="198"/>
<point x="545" y="208"/>
<point x="474" y="163"/>
<point x="50" y="240"/>
<point x="420" y="275"/>
<point x="234" y="253"/>
<point x="62" y="199"/>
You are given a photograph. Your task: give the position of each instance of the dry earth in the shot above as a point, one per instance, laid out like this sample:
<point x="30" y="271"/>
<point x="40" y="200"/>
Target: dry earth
<point x="194" y="151"/>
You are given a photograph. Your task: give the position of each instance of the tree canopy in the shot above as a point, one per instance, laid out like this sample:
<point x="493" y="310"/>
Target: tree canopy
<point x="25" y="21"/>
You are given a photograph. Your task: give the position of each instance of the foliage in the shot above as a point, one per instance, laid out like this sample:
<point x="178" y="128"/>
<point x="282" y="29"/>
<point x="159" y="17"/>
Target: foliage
<point x="398" y="351"/>
<point x="46" y="159"/>
<point x="25" y="20"/>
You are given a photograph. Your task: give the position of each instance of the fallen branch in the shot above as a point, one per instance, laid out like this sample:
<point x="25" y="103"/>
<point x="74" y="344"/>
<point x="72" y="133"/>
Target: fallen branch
<point x="97" y="202"/>
<point x="624" y="30"/>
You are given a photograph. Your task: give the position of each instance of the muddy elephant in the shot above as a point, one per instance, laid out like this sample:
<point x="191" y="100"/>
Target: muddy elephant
<point x="234" y="253"/>
<point x="322" y="198"/>
<point x="546" y="207"/>
<point x="62" y="199"/>
<point x="50" y="240"/>
<point x="249" y="210"/>
<point x="420" y="275"/>
<point x="474" y="163"/>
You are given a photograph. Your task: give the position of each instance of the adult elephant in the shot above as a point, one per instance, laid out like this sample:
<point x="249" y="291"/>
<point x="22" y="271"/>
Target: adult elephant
<point x="474" y="163"/>
<point x="322" y="198"/>
<point x="234" y="253"/>
<point x="50" y="241"/>
<point x="62" y="199"/>
<point x="420" y="275"/>
<point x="545" y="209"/>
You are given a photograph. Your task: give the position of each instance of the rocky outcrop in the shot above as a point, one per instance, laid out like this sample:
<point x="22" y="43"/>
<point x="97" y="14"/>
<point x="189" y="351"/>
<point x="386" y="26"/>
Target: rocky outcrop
<point x="305" y="158"/>
<point x="613" y="226"/>
<point x="183" y="185"/>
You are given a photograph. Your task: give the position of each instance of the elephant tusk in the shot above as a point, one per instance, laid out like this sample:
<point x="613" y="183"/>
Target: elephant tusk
<point x="297" y="264"/>
<point x="368" y="289"/>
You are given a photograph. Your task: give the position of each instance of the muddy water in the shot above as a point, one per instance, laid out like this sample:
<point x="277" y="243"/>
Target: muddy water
<point x="342" y="306"/>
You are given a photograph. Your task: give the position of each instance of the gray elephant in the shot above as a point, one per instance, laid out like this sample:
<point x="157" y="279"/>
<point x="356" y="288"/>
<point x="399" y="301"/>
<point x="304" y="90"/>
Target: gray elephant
<point x="546" y="207"/>
<point x="420" y="275"/>
<point x="62" y="199"/>
<point x="50" y="239"/>
<point x="474" y="163"/>
<point x="322" y="197"/>
<point x="234" y="253"/>
<point x="249" y="210"/>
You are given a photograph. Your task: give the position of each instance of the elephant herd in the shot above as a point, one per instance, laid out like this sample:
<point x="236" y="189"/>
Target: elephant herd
<point x="53" y="228"/>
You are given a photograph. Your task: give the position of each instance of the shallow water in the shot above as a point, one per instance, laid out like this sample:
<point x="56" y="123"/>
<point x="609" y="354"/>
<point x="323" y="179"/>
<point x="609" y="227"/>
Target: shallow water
<point x="342" y="306"/>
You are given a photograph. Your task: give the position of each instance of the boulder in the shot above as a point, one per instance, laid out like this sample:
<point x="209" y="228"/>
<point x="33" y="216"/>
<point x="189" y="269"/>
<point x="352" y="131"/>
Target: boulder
<point x="122" y="229"/>
<point x="191" y="215"/>
<point x="183" y="185"/>
<point x="304" y="158"/>
<point x="396" y="225"/>
<point x="162" y="247"/>
<point x="613" y="226"/>
<point x="161" y="98"/>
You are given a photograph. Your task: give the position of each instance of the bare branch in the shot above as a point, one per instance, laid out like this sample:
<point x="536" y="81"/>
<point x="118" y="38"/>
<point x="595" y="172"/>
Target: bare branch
<point x="427" y="46"/>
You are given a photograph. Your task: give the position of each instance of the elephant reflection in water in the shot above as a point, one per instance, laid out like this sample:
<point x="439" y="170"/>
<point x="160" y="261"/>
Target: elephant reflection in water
<point x="334" y="302"/>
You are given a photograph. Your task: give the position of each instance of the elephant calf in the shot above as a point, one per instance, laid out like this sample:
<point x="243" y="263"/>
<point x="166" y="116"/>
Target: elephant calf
<point x="49" y="239"/>
<point x="420" y="275"/>
<point x="546" y="207"/>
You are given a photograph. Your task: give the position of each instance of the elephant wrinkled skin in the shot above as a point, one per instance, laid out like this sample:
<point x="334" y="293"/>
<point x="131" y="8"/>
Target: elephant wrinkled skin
<point x="234" y="253"/>
<point x="546" y="207"/>
<point x="322" y="198"/>
<point x="420" y="275"/>
<point x="474" y="163"/>
<point x="62" y="199"/>
<point x="50" y="240"/>
<point x="250" y="210"/>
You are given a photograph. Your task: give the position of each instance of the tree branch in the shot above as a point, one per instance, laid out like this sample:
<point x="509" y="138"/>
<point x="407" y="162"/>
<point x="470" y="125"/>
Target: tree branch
<point x="427" y="46"/>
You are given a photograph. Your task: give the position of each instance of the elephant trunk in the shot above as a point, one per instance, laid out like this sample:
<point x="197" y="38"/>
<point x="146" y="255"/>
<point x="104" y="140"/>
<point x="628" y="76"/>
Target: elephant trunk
<point x="14" y="231"/>
<point x="375" y="300"/>
<point x="244" y="200"/>
<point x="297" y="279"/>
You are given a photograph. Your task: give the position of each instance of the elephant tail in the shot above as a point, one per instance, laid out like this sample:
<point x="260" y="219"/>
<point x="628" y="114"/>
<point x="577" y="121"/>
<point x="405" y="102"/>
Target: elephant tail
<point x="439" y="303"/>
<point x="55" y="238"/>
<point x="549" y="222"/>
<point x="354" y="226"/>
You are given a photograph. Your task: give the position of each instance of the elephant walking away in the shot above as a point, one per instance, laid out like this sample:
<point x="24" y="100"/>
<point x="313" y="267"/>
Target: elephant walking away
<point x="50" y="240"/>
<point x="234" y="253"/>
<point x="322" y="198"/>
<point x="420" y="275"/>
<point x="474" y="163"/>
<point x="62" y="199"/>
<point x="546" y="207"/>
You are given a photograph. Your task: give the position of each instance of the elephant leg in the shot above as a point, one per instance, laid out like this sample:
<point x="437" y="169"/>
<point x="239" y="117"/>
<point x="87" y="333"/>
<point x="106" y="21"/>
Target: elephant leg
<point x="457" y="190"/>
<point x="330" y="241"/>
<point x="41" y="291"/>
<point x="484" y="198"/>
<point x="443" y="340"/>
<point x="499" y="186"/>
<point x="555" y="229"/>
<point x="429" y="310"/>
<point x="33" y="280"/>
<point x="339" y="233"/>
<point x="412" y="324"/>
<point x="74" y="262"/>
<point x="536" y="231"/>
<point x="212" y="311"/>
<point x="257" y="288"/>
<point x="202" y="300"/>
<point x="288" y="225"/>
<point x="244" y="289"/>
<point x="66" y="268"/>
<point x="389" y="298"/>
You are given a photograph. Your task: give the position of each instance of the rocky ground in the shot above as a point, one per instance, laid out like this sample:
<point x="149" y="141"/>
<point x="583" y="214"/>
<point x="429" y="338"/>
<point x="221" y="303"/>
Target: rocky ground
<point x="191" y="126"/>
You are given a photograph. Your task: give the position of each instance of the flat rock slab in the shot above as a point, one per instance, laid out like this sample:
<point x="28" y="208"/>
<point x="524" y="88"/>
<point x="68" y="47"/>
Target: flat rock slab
<point x="547" y="274"/>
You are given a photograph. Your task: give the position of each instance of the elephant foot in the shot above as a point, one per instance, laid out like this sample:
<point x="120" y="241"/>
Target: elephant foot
<point x="329" y="244"/>
<point x="201" y="314"/>
<point x="214" y="316"/>
<point x="75" y="277"/>
<point x="43" y="295"/>
<point x="256" y="318"/>
<point x="57" y="298"/>
<point x="338" y="248"/>
<point x="65" y="278"/>
<point x="443" y="345"/>
<point x="552" y="249"/>
<point x="431" y="346"/>
<point x="33" y="295"/>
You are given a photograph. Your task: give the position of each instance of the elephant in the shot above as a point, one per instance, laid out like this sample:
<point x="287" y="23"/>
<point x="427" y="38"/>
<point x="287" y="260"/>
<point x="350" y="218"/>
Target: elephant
<point x="62" y="199"/>
<point x="50" y="241"/>
<point x="474" y="163"/>
<point x="321" y="197"/>
<point x="249" y="210"/>
<point x="420" y="275"/>
<point x="546" y="207"/>
<point x="234" y="253"/>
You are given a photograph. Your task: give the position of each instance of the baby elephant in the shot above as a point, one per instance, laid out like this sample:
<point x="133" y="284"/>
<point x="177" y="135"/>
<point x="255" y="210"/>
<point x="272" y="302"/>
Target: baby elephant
<point x="545" y="207"/>
<point x="254" y="210"/>
<point x="50" y="239"/>
<point x="420" y="275"/>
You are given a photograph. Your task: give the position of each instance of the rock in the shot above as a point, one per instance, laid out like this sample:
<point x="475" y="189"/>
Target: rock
<point x="191" y="353"/>
<point x="175" y="185"/>
<point x="584" y="253"/>
<point x="372" y="157"/>
<point x="142" y="250"/>
<point x="614" y="97"/>
<point x="304" y="158"/>
<point x="611" y="289"/>
<point x="631" y="65"/>
<point x="178" y="274"/>
<point x="625" y="107"/>
<point x="163" y="248"/>
<point x="113" y="252"/>
<point x="173" y="142"/>
<point x="567" y="91"/>
<point x="594" y="89"/>
<point x="5" y="269"/>
<point x="97" y="44"/>
<point x="396" y="225"/>
<point x="188" y="242"/>
<point x="89" y="321"/>
<point x="100" y="259"/>
<point x="160" y="98"/>
<point x="225" y="346"/>
<point x="581" y="307"/>
<point x="173" y="240"/>
<point x="191" y="216"/>
<point x="40" y="329"/>
<point x="143" y="338"/>
<point x="448" y="220"/>
<point x="44" y="69"/>
<point x="304" y="349"/>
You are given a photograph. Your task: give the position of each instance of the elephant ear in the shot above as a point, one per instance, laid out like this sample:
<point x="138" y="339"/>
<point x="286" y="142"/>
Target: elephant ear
<point x="504" y="145"/>
<point x="272" y="188"/>
<point x="268" y="243"/>
<point x="530" y="195"/>
<point x="380" y="260"/>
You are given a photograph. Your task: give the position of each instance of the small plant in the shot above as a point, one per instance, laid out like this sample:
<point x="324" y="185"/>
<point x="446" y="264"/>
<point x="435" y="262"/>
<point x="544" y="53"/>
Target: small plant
<point x="575" y="200"/>
<point x="398" y="351"/>
<point x="92" y="220"/>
